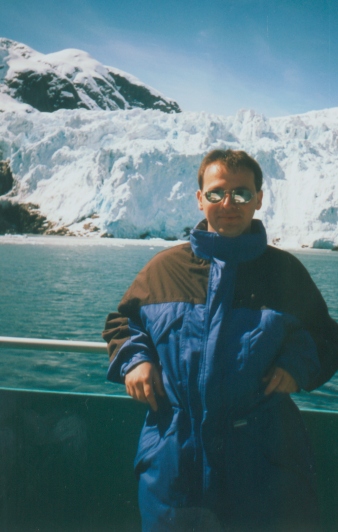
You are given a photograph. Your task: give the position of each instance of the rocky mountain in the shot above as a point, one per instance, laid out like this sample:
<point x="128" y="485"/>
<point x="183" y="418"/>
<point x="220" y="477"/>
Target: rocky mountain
<point x="71" y="79"/>
<point x="117" y="159"/>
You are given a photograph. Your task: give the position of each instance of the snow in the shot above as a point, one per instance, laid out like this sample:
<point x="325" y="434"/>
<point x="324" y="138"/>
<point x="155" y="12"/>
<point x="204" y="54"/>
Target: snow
<point x="94" y="82"/>
<point x="9" y="104"/>
<point x="132" y="174"/>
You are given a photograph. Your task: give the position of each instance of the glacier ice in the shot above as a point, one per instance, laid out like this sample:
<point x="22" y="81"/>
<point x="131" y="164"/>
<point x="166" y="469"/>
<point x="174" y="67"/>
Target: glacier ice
<point x="132" y="173"/>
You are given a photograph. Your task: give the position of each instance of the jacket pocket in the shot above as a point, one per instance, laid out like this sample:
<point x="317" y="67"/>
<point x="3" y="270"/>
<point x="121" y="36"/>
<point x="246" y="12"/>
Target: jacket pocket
<point x="158" y="427"/>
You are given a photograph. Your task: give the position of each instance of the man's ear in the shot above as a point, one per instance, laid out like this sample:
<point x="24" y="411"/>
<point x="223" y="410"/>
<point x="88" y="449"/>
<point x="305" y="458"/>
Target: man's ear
<point x="199" y="197"/>
<point x="259" y="198"/>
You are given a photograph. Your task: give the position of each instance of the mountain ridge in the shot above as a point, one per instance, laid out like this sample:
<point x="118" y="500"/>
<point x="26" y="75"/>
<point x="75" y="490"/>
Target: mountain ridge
<point x="72" y="79"/>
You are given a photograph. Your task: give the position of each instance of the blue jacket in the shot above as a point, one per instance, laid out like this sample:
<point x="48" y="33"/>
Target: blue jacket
<point x="212" y="314"/>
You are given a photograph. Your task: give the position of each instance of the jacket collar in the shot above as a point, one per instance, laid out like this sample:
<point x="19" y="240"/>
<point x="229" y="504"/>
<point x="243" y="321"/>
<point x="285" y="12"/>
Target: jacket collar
<point x="208" y="245"/>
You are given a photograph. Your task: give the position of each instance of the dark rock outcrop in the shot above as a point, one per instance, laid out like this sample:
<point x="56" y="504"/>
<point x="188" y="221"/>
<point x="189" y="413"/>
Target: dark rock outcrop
<point x="140" y="96"/>
<point x="6" y="178"/>
<point x="46" y="93"/>
<point x="21" y="219"/>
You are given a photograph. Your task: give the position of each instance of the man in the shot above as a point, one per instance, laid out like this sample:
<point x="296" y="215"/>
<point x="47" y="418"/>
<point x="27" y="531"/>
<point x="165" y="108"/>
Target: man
<point x="214" y="334"/>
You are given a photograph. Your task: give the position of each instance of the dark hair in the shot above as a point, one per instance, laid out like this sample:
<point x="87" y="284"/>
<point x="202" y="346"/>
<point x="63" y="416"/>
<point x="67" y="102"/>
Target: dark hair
<point x="232" y="159"/>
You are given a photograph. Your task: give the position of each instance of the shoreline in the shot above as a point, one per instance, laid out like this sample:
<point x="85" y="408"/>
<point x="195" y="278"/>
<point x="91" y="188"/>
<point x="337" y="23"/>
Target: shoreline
<point x="123" y="242"/>
<point x="87" y="241"/>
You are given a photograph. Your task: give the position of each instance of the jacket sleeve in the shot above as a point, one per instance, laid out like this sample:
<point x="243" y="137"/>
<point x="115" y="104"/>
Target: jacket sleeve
<point x="304" y="300"/>
<point x="129" y="344"/>
<point x="299" y="358"/>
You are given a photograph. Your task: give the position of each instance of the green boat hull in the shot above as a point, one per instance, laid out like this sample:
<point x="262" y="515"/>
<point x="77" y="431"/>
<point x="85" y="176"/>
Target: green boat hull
<point x="66" y="462"/>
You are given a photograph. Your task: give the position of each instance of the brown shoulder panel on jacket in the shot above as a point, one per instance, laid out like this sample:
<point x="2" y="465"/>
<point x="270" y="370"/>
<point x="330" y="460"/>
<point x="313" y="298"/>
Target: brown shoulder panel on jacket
<point x="279" y="281"/>
<point x="173" y="275"/>
<point x="116" y="333"/>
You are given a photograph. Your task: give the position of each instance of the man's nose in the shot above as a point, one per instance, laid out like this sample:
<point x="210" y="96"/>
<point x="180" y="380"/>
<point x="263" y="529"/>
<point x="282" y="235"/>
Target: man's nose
<point x="227" y="200"/>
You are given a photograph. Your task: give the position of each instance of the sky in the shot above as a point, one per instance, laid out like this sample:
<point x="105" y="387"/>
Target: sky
<point x="278" y="57"/>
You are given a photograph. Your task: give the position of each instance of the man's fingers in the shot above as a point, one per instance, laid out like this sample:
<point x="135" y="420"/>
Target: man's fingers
<point x="281" y="381"/>
<point x="157" y="380"/>
<point x="142" y="382"/>
<point x="274" y="382"/>
<point x="143" y="393"/>
<point x="149" y="395"/>
<point x="287" y="384"/>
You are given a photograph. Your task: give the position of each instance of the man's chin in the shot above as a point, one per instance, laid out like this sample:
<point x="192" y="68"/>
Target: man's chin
<point x="230" y="229"/>
<point x="231" y="232"/>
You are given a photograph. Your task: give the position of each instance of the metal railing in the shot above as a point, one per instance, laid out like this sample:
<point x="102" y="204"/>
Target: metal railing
<point x="53" y="345"/>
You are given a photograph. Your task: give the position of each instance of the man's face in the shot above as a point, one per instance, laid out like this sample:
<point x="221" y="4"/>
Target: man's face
<point x="228" y="218"/>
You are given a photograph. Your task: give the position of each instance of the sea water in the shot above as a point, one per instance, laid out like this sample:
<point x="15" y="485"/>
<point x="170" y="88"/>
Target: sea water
<point x="63" y="288"/>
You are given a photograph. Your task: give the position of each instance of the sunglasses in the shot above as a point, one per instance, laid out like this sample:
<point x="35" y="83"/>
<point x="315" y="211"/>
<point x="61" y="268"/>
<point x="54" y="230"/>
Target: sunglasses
<point x="238" y="195"/>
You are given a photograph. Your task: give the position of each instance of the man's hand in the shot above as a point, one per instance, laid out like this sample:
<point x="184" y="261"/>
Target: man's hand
<point x="281" y="381"/>
<point x="143" y="381"/>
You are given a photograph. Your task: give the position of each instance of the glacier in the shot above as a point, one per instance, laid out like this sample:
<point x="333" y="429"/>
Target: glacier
<point x="133" y="173"/>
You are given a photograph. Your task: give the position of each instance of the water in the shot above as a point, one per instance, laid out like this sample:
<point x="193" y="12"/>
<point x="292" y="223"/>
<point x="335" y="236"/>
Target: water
<point x="64" y="289"/>
<point x="63" y="292"/>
